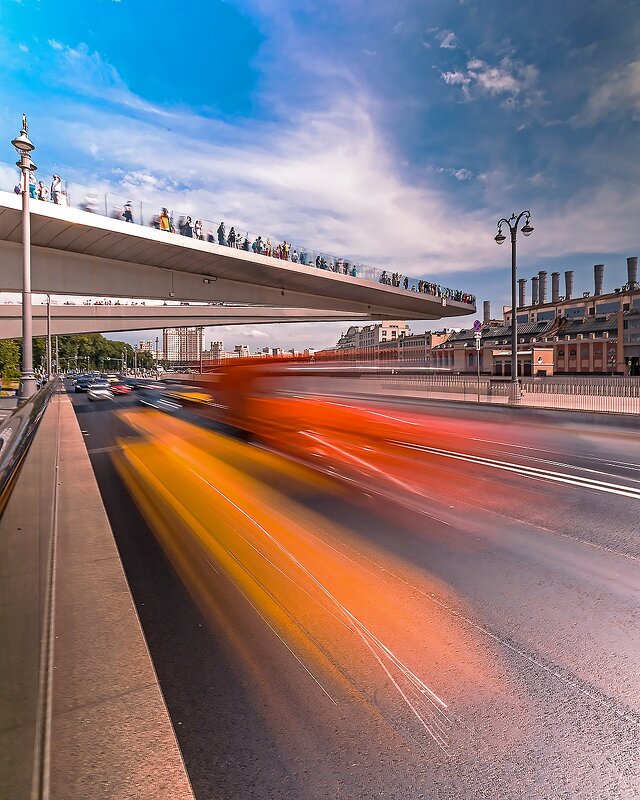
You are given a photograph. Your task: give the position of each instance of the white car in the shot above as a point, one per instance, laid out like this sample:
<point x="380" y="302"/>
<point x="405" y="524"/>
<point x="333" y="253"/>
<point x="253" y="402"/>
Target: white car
<point x="99" y="390"/>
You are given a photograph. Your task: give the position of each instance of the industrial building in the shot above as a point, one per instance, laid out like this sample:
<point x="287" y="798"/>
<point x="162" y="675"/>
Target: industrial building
<point x="597" y="333"/>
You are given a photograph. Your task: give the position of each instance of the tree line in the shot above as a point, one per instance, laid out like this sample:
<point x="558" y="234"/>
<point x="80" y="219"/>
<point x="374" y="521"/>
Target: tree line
<point x="86" y="351"/>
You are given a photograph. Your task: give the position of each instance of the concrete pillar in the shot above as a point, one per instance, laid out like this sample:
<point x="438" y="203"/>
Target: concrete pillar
<point x="534" y="290"/>
<point x="598" y="279"/>
<point x="522" y="288"/>
<point x="568" y="283"/>
<point x="542" y="287"/>
<point x="555" y="287"/>
<point x="632" y="272"/>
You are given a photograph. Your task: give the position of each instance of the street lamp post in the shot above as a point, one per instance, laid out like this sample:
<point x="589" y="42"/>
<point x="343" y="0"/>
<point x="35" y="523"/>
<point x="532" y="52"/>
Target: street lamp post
<point x="527" y="229"/>
<point x="24" y="148"/>
<point x="49" y="370"/>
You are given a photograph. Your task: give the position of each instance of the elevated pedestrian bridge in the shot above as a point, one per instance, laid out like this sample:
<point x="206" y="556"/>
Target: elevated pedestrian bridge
<point x="70" y="319"/>
<point x="75" y="252"/>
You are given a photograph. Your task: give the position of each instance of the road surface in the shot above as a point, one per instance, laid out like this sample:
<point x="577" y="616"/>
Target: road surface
<point x="478" y="639"/>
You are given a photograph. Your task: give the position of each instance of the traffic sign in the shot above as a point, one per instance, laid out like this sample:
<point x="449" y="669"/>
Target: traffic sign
<point x="477" y="325"/>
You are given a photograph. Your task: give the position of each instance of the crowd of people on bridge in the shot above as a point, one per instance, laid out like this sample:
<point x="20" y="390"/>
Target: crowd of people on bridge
<point x="425" y="287"/>
<point x="58" y="193"/>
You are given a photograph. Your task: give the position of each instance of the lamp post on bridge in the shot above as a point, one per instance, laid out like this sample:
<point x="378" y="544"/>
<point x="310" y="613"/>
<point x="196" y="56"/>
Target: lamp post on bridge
<point x="527" y="229"/>
<point x="24" y="148"/>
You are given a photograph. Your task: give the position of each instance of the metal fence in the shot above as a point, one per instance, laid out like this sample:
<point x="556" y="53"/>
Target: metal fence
<point x="619" y="395"/>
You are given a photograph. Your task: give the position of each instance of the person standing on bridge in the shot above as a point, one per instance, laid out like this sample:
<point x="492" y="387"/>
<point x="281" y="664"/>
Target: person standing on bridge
<point x="165" y="224"/>
<point x="43" y="192"/>
<point x="127" y="214"/>
<point x="197" y="229"/>
<point x="222" y="238"/>
<point x="56" y="189"/>
<point x="186" y="228"/>
<point x="231" y="240"/>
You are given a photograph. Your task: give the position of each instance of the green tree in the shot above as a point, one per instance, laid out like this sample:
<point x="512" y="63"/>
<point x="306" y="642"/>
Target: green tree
<point x="10" y="354"/>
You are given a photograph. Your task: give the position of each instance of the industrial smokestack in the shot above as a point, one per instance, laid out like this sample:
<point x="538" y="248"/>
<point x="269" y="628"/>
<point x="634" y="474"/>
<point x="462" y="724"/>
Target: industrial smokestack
<point x="542" y="287"/>
<point x="555" y="287"/>
<point x="568" y="284"/>
<point x="487" y="311"/>
<point x="522" y="288"/>
<point x="534" y="290"/>
<point x="598" y="278"/>
<point x="632" y="272"/>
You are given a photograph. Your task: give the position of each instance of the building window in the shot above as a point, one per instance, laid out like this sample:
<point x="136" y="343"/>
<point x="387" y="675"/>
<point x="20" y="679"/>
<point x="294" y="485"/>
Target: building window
<point x="572" y="352"/>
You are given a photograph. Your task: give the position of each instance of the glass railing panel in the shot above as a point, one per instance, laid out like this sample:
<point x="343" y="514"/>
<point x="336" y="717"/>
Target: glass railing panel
<point x="27" y="484"/>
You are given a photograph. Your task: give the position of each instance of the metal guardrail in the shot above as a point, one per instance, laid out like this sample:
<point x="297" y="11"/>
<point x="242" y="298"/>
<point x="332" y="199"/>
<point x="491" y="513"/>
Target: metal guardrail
<point x="16" y="434"/>
<point x="619" y="395"/>
<point x="28" y="476"/>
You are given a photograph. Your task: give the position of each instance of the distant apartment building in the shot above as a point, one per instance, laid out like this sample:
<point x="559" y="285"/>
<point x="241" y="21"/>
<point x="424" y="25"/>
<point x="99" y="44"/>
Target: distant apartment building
<point x="371" y="336"/>
<point x="386" y="341"/>
<point x="182" y="345"/>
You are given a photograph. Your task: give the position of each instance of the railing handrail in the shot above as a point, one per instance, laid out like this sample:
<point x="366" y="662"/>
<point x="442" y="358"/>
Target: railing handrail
<point x="16" y="434"/>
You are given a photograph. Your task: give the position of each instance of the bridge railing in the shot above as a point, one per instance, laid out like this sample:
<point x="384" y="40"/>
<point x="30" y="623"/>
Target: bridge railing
<point x="146" y="212"/>
<point x="620" y="395"/>
<point x="27" y="483"/>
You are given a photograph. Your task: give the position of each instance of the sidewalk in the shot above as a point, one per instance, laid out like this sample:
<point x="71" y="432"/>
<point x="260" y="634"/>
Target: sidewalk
<point x="111" y="735"/>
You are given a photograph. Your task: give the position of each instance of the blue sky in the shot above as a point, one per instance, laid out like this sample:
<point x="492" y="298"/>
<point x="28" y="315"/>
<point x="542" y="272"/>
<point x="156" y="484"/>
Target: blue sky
<point x="394" y="133"/>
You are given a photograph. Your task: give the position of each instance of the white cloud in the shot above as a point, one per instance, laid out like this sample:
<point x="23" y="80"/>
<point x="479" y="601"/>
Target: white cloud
<point x="86" y="72"/>
<point x="448" y="40"/>
<point x="456" y="78"/>
<point x="23" y="48"/>
<point x="508" y="77"/>
<point x="327" y="180"/>
<point x="620" y="92"/>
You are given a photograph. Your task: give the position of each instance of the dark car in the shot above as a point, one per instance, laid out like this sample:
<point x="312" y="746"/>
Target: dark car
<point x="82" y="384"/>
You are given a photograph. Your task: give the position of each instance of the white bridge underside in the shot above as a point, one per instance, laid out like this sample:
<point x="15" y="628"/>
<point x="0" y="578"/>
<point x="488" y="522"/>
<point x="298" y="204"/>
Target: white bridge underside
<point x="78" y="253"/>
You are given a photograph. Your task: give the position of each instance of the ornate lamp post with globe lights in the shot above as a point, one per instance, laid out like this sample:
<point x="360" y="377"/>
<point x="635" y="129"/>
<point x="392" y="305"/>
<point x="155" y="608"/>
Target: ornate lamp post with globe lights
<point x="24" y="148"/>
<point x="527" y="229"/>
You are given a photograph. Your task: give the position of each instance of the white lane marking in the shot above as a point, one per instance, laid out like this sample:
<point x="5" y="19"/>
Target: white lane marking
<point x="108" y="449"/>
<point x="562" y="464"/>
<point x="586" y="456"/>
<point x="529" y="472"/>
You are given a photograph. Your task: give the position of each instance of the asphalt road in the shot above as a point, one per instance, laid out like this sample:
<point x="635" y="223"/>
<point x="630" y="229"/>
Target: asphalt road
<point x="492" y="646"/>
